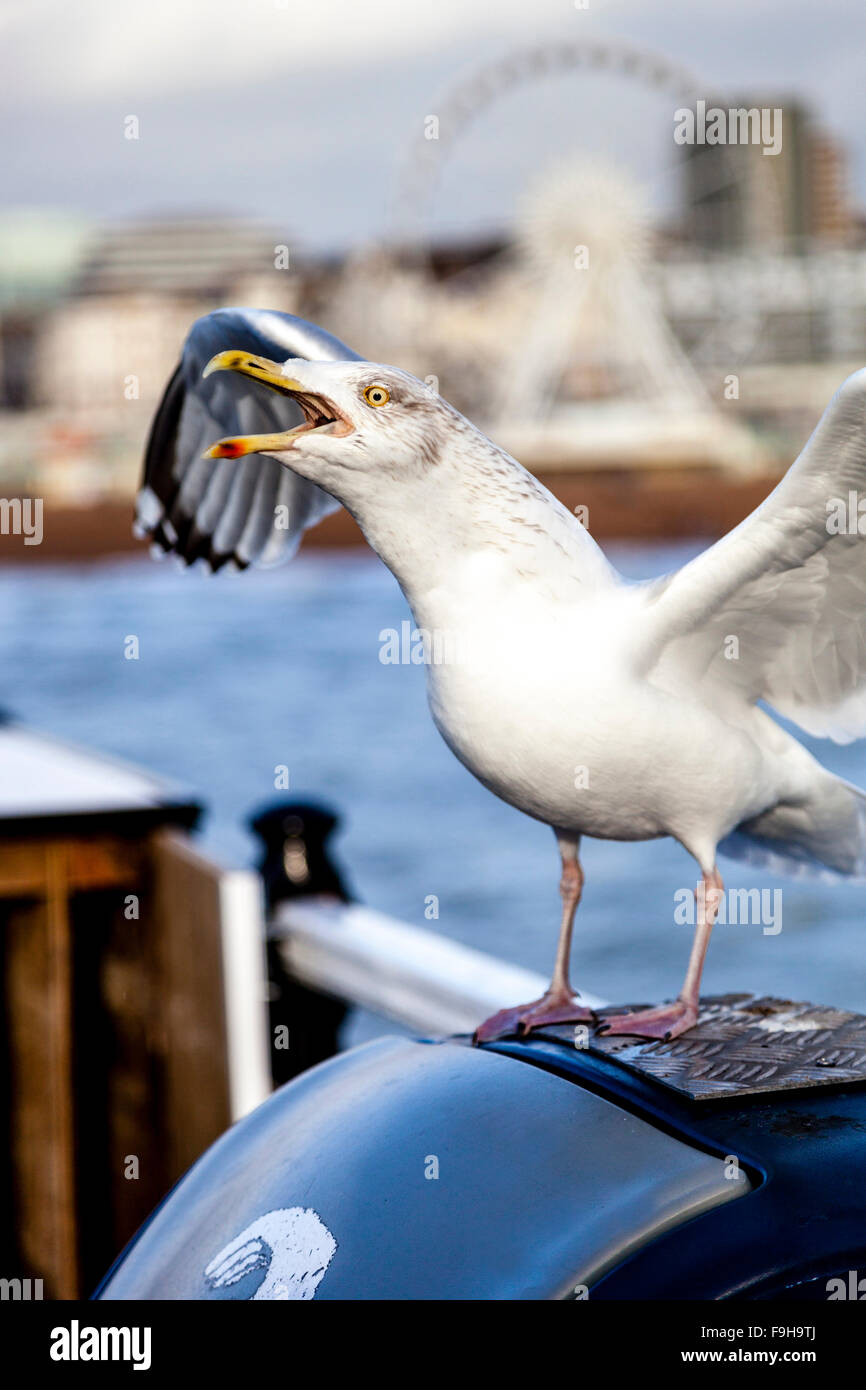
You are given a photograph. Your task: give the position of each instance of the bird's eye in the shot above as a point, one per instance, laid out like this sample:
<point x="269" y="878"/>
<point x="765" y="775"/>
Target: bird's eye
<point x="377" y="395"/>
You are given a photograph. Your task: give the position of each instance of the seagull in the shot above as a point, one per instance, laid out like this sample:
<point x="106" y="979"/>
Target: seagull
<point x="601" y="707"/>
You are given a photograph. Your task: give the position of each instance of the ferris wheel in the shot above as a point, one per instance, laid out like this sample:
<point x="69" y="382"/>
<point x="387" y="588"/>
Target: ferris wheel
<point x="460" y="107"/>
<point x="573" y="204"/>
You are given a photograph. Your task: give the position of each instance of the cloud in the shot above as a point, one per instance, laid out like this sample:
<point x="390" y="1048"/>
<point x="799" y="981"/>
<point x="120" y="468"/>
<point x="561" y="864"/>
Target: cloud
<point x="304" y="111"/>
<point x="56" y="51"/>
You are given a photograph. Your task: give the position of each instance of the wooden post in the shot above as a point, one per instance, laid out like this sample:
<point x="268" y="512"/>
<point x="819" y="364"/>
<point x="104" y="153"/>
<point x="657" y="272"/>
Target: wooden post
<point x="37" y="979"/>
<point x="119" y="1060"/>
<point x="190" y="1021"/>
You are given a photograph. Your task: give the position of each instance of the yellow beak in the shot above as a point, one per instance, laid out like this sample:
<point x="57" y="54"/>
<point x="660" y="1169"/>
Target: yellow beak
<point x="269" y="374"/>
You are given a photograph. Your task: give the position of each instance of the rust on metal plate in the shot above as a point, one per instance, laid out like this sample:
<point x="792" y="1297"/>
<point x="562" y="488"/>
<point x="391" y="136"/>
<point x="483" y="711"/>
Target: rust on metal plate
<point x="743" y="1046"/>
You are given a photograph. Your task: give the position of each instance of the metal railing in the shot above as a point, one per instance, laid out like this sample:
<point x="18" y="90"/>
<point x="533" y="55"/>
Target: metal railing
<point x="406" y="974"/>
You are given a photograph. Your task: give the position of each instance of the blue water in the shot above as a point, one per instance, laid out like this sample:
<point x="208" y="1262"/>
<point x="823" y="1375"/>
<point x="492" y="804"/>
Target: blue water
<point x="239" y="674"/>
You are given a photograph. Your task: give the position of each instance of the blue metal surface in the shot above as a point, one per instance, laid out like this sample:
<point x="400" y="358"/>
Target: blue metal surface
<point x="405" y="1170"/>
<point x="805" y="1219"/>
<point x="556" y="1168"/>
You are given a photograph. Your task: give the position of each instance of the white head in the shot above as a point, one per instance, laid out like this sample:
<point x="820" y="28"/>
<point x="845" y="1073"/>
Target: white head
<point x="359" y="417"/>
<point x="416" y="475"/>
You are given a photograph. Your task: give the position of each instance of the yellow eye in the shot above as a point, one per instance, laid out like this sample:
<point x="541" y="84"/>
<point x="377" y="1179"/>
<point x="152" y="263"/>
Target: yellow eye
<point x="377" y="395"/>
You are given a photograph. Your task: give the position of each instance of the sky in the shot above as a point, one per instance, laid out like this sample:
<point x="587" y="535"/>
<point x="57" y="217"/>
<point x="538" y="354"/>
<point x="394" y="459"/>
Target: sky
<point x="310" y="114"/>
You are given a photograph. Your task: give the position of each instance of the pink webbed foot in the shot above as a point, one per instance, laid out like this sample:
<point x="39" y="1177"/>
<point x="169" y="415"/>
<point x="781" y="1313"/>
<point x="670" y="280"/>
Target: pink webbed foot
<point x="663" y="1022"/>
<point x="550" y="1008"/>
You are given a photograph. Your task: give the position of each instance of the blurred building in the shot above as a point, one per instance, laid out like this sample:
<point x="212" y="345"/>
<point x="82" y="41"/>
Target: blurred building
<point x="116" y="337"/>
<point x="737" y="197"/>
<point x="39" y="253"/>
<point x="767" y="307"/>
<point x="765" y="272"/>
<point x="89" y="361"/>
<point x="832" y="219"/>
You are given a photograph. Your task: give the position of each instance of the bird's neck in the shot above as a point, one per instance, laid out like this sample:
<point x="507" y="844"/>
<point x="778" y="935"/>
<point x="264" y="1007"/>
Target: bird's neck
<point x="474" y="507"/>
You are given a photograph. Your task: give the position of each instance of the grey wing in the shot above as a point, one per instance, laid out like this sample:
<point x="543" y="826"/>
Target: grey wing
<point x="225" y="510"/>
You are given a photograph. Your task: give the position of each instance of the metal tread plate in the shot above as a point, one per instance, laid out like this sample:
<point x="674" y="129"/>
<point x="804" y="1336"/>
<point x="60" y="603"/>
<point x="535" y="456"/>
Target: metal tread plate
<point x="741" y="1046"/>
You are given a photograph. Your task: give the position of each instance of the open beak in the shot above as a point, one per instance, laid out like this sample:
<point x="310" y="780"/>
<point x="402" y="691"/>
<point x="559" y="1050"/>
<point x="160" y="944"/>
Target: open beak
<point x="319" y="413"/>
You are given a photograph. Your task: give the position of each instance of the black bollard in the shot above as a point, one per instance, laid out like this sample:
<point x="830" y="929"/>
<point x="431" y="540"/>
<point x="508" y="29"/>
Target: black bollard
<point x="296" y="863"/>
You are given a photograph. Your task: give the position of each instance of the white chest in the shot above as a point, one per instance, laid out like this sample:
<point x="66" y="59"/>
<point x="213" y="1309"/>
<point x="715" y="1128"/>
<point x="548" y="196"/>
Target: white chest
<point x="535" y="700"/>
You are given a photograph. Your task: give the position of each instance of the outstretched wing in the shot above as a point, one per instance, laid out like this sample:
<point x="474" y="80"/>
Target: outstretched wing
<point x="789" y="584"/>
<point x="223" y="510"/>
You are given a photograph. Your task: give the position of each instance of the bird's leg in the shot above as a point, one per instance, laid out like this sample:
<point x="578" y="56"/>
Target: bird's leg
<point x="559" y="1003"/>
<point x="669" y="1020"/>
